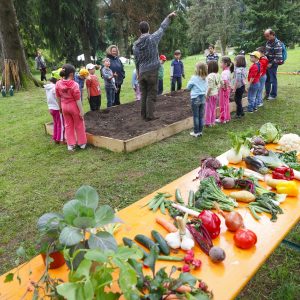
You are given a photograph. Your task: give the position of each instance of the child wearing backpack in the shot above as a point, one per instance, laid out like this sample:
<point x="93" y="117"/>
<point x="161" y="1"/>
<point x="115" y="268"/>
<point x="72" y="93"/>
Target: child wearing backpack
<point x="253" y="79"/>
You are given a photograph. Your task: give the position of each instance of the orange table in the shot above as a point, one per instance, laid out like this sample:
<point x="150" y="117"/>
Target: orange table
<point x="227" y="279"/>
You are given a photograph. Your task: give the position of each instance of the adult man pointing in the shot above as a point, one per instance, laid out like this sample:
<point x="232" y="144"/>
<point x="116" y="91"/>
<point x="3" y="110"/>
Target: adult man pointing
<point x="145" y="51"/>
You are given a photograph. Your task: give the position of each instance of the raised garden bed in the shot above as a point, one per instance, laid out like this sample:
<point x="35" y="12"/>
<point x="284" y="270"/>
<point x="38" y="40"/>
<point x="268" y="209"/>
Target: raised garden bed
<point x="121" y="128"/>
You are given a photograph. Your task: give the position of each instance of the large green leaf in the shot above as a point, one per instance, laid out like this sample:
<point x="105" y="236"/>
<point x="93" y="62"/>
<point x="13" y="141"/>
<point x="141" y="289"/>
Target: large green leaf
<point x="71" y="210"/>
<point x="104" y="215"/>
<point x="49" y="222"/>
<point x="101" y="295"/>
<point x="83" y="269"/>
<point x="84" y="222"/>
<point x="88" y="290"/>
<point x="71" y="291"/>
<point x="125" y="253"/>
<point x="198" y="296"/>
<point x="88" y="196"/>
<point x="102" y="240"/>
<point x="127" y="281"/>
<point x="70" y="236"/>
<point x="188" y="278"/>
<point x="96" y="255"/>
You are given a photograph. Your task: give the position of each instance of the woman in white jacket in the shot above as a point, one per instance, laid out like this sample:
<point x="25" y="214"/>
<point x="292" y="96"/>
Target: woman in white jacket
<point x="58" y="122"/>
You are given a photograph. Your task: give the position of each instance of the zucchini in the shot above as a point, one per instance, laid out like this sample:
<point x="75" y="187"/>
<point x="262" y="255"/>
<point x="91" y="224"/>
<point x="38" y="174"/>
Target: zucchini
<point x="128" y="242"/>
<point x="178" y="197"/>
<point x="162" y="244"/>
<point x="145" y="241"/>
<point x="191" y="201"/>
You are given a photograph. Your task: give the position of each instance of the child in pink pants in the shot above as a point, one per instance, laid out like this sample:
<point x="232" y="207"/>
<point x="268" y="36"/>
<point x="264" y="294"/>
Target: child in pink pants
<point x="58" y="121"/>
<point x="68" y="96"/>
<point x="213" y="81"/>
<point x="224" y="92"/>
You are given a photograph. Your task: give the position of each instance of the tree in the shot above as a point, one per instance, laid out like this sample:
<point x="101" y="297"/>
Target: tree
<point x="15" y="71"/>
<point x="212" y="20"/>
<point x="70" y="27"/>
<point x="282" y="16"/>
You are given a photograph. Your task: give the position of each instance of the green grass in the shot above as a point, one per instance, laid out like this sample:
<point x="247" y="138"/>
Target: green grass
<point x="37" y="176"/>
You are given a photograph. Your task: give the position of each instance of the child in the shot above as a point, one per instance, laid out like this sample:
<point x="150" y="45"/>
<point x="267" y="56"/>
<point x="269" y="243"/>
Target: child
<point x="198" y="87"/>
<point x="109" y="80"/>
<point x="68" y="98"/>
<point x="93" y="88"/>
<point x="253" y="79"/>
<point x="58" y="122"/>
<point x="212" y="55"/>
<point x="177" y="71"/>
<point x="224" y="93"/>
<point x="80" y="79"/>
<point x="160" y="88"/>
<point x="213" y="81"/>
<point x="263" y="61"/>
<point x="136" y="86"/>
<point x="240" y="75"/>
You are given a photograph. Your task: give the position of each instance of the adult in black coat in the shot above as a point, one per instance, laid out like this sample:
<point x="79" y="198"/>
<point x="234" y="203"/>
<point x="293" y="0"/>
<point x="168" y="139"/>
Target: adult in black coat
<point x="117" y="67"/>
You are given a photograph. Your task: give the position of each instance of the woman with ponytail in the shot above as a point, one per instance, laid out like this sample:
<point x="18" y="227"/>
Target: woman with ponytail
<point x="68" y="97"/>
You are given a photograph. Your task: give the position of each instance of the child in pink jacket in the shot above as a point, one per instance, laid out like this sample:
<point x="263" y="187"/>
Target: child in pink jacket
<point x="224" y="93"/>
<point x="68" y="97"/>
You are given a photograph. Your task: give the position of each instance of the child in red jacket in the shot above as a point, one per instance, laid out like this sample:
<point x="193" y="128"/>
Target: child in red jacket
<point x="253" y="79"/>
<point x="263" y="61"/>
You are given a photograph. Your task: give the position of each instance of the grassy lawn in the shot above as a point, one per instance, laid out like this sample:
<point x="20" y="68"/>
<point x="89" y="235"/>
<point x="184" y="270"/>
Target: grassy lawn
<point x="37" y="176"/>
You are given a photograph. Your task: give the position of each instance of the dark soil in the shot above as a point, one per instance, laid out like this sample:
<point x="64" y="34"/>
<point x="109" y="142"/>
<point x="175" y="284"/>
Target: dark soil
<point x="125" y="122"/>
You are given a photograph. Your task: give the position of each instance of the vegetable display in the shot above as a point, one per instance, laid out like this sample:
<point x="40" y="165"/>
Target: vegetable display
<point x="244" y="238"/>
<point x="291" y="159"/>
<point x="209" y="193"/>
<point x="289" y="188"/>
<point x="235" y="173"/>
<point x="159" y="201"/>
<point x="242" y="196"/>
<point x="285" y="173"/>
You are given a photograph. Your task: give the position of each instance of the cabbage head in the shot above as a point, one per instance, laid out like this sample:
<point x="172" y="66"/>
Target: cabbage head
<point x="270" y="133"/>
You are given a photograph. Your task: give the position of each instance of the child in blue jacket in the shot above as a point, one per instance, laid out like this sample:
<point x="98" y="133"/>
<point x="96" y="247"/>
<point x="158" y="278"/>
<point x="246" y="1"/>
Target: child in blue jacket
<point x="177" y="71"/>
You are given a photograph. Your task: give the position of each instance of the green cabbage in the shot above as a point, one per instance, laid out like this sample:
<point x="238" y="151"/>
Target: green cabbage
<point x="270" y="133"/>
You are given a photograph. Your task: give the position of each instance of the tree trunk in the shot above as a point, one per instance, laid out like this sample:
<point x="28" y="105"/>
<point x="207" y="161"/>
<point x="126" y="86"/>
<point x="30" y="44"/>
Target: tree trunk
<point x="16" y="71"/>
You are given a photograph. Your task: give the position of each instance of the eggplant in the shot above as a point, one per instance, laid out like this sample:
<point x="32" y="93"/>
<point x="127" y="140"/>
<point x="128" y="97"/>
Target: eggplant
<point x="256" y="165"/>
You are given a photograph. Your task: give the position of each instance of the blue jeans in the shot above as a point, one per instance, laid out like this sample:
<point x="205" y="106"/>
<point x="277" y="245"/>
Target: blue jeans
<point x="252" y="95"/>
<point x="198" y="107"/>
<point x="271" y="83"/>
<point x="259" y="97"/>
<point x="110" y="96"/>
<point x="175" y="80"/>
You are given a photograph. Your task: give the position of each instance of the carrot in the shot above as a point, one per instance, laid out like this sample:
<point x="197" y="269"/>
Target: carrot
<point x="166" y="224"/>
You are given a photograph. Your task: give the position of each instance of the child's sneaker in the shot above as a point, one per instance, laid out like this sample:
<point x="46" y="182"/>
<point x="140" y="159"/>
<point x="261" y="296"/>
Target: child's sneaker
<point x="195" y="134"/>
<point x="71" y="148"/>
<point x="260" y="105"/>
<point x="82" y="146"/>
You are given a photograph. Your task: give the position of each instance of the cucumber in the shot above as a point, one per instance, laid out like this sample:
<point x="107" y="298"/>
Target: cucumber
<point x="128" y="242"/>
<point x="191" y="201"/>
<point x="178" y="197"/>
<point x="162" y="244"/>
<point x="145" y="241"/>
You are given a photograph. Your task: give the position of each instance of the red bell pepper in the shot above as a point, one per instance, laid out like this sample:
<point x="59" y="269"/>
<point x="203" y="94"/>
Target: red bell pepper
<point x="284" y="173"/>
<point x="211" y="222"/>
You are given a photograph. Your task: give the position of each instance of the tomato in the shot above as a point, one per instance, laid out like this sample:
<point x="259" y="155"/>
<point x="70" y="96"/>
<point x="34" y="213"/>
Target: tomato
<point x="211" y="222"/>
<point x="245" y="238"/>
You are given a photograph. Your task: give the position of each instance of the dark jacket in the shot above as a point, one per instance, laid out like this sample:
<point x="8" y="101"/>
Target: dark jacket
<point x="145" y="49"/>
<point x="117" y="67"/>
<point x="177" y="68"/>
<point x="274" y="52"/>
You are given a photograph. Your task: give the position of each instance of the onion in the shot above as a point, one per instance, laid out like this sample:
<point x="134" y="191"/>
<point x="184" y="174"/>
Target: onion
<point x="233" y="219"/>
<point x="234" y="157"/>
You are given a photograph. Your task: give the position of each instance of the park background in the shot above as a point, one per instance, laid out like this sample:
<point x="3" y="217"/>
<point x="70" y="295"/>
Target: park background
<point x="38" y="176"/>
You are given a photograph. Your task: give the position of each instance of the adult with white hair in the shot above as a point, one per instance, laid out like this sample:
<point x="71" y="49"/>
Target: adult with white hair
<point x="275" y="57"/>
<point x="117" y="67"/>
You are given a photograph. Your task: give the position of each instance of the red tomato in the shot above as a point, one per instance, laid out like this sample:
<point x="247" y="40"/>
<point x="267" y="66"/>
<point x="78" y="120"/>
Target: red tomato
<point x="245" y="238"/>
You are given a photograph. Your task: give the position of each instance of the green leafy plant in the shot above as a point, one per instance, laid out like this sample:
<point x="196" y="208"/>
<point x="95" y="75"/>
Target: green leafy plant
<point x="95" y="272"/>
<point x="82" y="224"/>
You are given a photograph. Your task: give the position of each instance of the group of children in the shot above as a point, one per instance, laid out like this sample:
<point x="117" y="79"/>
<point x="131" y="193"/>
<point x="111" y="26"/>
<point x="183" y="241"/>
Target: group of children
<point x="64" y="95"/>
<point x="208" y="88"/>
